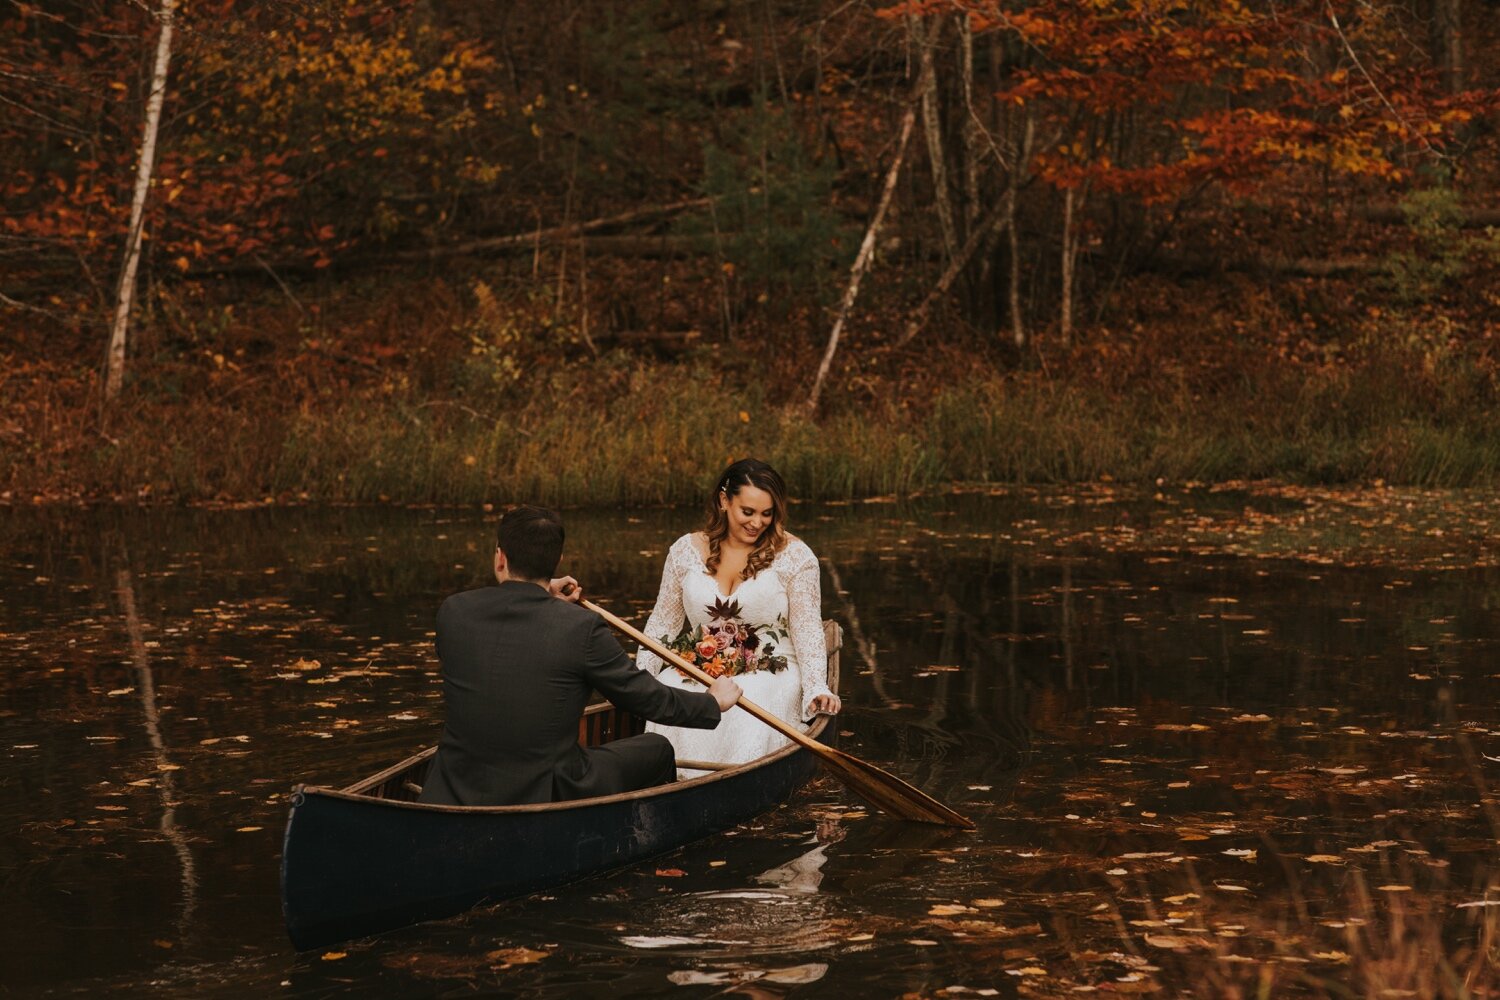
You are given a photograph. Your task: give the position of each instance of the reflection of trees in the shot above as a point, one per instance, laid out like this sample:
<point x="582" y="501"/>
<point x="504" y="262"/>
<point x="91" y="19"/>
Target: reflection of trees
<point x="165" y="780"/>
<point x="861" y="643"/>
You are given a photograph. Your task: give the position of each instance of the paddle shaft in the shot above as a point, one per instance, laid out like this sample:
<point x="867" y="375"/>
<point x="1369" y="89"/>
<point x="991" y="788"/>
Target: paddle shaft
<point x="885" y="791"/>
<point x="769" y="718"/>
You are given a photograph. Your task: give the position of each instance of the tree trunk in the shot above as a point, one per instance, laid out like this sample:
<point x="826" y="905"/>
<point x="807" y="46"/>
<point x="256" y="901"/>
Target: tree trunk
<point x="115" y="369"/>
<point x="926" y="37"/>
<point x="866" y="253"/>
<point x="1017" y="323"/>
<point x="971" y="123"/>
<point x="1446" y="43"/>
<point x="1065" y="321"/>
<point x="1003" y="216"/>
<point x="1019" y="160"/>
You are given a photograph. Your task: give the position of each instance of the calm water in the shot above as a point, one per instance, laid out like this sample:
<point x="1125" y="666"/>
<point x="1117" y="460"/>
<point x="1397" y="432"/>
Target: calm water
<point x="1213" y="741"/>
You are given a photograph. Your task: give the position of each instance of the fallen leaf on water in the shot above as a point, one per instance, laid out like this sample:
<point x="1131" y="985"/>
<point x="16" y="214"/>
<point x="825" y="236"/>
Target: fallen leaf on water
<point x="921" y="942"/>
<point x="334" y="956"/>
<point x="717" y="864"/>
<point x="1479" y="902"/>
<point x="117" y="692"/>
<point x="1331" y="956"/>
<point x="670" y="872"/>
<point x="246" y="829"/>
<point x="866" y="936"/>
<point x="1248" y="853"/>
<point x="949" y="910"/>
<point x="1167" y="941"/>
<point x="507" y="957"/>
<point x="1230" y="887"/>
<point x="1181" y="899"/>
<point x="1394" y="888"/>
<point x="809" y="973"/>
<point x="1325" y="859"/>
<point x="988" y="903"/>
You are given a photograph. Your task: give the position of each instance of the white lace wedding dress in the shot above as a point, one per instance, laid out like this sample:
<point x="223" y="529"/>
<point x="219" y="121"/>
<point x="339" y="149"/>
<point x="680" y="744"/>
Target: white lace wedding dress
<point x="787" y="595"/>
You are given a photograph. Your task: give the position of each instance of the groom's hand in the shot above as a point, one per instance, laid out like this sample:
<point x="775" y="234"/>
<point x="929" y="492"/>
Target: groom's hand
<point x="566" y="588"/>
<point x="726" y="692"/>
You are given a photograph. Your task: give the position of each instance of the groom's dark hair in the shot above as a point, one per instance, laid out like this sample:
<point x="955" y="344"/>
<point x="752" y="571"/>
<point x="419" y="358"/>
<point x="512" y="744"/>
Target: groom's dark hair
<point x="532" y="540"/>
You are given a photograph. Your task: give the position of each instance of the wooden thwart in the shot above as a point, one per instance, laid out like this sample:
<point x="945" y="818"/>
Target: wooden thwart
<point x="704" y="765"/>
<point x="885" y="791"/>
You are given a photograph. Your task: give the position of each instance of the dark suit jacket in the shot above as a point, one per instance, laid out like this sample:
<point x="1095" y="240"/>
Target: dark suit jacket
<point x="518" y="666"/>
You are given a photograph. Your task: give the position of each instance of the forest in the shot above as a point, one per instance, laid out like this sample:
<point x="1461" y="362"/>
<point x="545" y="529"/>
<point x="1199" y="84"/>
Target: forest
<point x="578" y="251"/>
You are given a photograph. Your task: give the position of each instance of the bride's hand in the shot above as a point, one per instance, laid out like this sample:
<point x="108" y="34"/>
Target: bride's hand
<point x="566" y="588"/>
<point x="825" y="704"/>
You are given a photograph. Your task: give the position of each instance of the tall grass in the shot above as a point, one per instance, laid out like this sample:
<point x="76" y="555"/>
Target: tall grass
<point x="652" y="434"/>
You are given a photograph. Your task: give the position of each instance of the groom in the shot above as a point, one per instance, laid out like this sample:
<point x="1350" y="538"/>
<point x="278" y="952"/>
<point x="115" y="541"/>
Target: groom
<point x="518" y="666"/>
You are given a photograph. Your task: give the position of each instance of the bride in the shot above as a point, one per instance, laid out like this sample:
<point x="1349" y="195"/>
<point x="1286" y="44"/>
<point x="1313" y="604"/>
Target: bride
<point x="743" y="597"/>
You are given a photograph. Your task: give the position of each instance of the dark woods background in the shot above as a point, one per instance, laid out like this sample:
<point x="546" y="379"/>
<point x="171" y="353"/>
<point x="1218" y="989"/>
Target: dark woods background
<point x="385" y="245"/>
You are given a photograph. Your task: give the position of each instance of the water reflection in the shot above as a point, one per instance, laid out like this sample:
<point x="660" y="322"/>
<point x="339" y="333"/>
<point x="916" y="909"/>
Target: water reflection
<point x="165" y="781"/>
<point x="1195" y="762"/>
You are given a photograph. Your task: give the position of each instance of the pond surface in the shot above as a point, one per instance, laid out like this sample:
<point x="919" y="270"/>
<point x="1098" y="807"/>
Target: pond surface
<point x="1216" y="742"/>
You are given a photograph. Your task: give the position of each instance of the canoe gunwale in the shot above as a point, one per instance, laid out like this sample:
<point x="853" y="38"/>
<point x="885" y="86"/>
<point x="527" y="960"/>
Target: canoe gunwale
<point x="536" y="807"/>
<point x="833" y="638"/>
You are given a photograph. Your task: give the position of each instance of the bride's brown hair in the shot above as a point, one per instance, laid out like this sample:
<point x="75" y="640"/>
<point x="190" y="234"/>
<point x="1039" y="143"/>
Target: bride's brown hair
<point x="747" y="472"/>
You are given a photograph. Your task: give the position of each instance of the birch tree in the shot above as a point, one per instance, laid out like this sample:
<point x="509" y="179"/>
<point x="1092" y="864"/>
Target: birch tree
<point x="125" y="298"/>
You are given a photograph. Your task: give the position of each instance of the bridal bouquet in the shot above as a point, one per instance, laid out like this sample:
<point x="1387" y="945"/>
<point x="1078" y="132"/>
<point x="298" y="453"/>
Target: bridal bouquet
<point x="725" y="645"/>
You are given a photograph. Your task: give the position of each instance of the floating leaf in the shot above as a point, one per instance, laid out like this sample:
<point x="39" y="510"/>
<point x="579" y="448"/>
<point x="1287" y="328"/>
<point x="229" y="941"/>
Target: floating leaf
<point x="1168" y="941"/>
<point x="507" y="957"/>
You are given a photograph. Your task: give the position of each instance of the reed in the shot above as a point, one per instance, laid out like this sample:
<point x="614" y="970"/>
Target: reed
<point x="648" y="433"/>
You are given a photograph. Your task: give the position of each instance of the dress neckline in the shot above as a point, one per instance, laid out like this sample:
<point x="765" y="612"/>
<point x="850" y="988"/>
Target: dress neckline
<point x="703" y="562"/>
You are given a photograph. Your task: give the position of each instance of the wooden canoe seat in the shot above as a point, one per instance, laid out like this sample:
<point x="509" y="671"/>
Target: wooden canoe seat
<point x="704" y="765"/>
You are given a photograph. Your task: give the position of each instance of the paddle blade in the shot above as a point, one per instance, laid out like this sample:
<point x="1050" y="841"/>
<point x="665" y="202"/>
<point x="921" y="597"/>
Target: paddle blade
<point x="887" y="792"/>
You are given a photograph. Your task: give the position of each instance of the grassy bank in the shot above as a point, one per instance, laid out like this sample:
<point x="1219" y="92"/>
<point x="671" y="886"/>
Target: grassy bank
<point x="655" y="432"/>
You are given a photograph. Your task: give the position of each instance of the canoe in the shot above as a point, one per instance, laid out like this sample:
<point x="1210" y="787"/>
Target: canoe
<point x="369" y="858"/>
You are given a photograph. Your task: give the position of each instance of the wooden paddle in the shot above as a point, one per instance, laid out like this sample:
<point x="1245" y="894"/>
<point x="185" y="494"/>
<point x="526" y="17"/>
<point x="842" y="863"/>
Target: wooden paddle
<point x="885" y="791"/>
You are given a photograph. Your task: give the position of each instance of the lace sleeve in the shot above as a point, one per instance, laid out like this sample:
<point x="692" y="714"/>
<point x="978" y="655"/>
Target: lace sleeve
<point x="804" y="603"/>
<point x="668" y="615"/>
